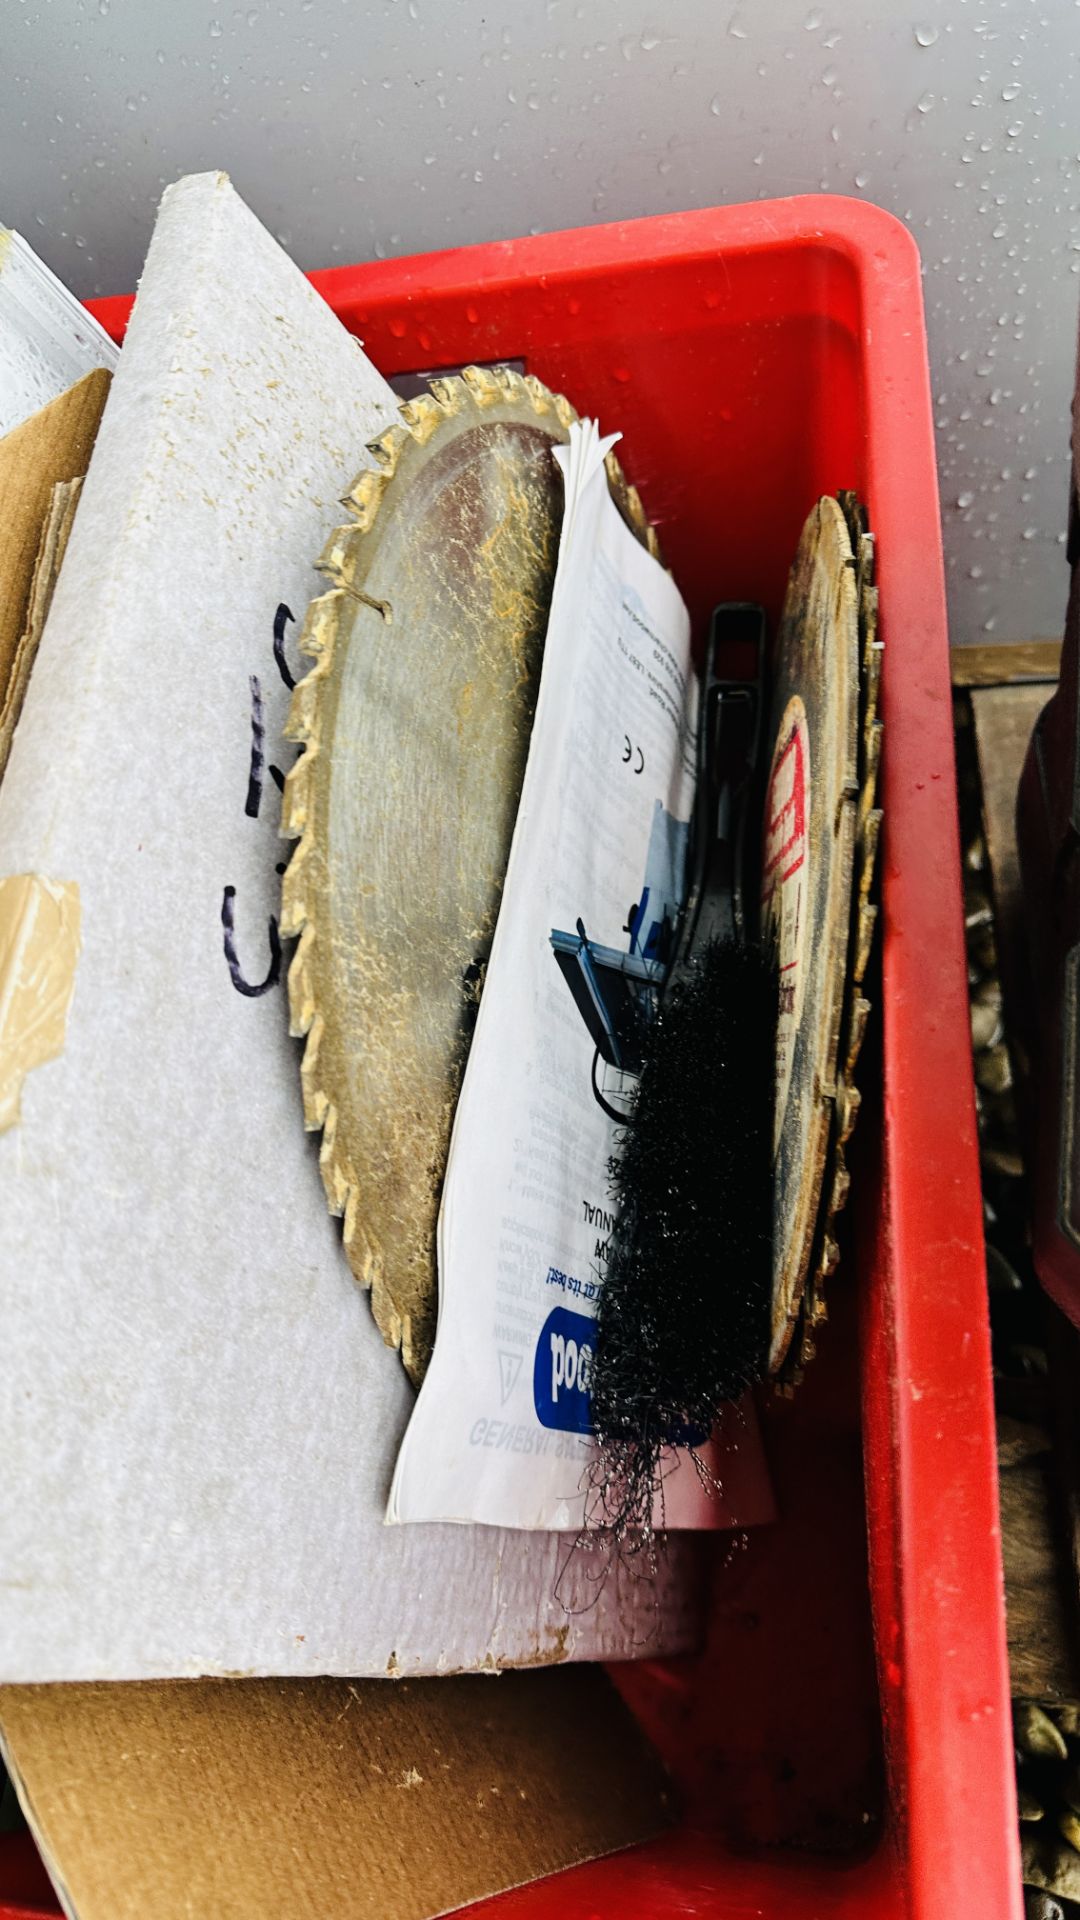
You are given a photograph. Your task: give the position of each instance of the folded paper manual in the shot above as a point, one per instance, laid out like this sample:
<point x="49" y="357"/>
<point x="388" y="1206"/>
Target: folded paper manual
<point x="198" y="1416"/>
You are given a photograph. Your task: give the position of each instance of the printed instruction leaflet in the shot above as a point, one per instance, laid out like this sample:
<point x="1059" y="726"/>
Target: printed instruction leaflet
<point x="595" y="877"/>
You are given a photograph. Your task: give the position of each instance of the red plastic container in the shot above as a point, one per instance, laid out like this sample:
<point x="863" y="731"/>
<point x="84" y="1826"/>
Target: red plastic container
<point x="844" y="1745"/>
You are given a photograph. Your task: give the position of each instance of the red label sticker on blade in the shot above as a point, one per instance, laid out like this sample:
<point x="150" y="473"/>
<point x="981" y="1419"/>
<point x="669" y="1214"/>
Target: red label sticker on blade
<point x="784" y="894"/>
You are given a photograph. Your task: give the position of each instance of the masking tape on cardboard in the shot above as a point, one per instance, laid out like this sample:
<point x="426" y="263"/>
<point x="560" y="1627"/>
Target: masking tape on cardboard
<point x="40" y="923"/>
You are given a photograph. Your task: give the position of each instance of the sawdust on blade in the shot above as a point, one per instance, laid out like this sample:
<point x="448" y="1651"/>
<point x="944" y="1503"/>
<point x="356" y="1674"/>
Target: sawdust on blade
<point x="415" y="723"/>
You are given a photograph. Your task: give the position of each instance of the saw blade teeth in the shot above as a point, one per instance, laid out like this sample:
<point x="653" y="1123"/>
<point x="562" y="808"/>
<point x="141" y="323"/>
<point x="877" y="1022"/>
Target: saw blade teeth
<point x="483" y="384"/>
<point x="848" y="1102"/>
<point x="448" y="390"/>
<point x="423" y="416"/>
<point x="841" y="1187"/>
<point x="319" y="631"/>
<point x="565" y="414"/>
<point x="363" y="497"/>
<point x="868" y="616"/>
<point x="868" y="914"/>
<point x="296" y="797"/>
<point x="629" y="502"/>
<point x="302" y="1014"/>
<point x="872" y="742"/>
<point x="512" y="385"/>
<point x="364" y="1255"/>
<point x="295" y="883"/>
<point x="335" y="1174"/>
<point x="869" y="839"/>
<point x="386" y="449"/>
<point x="872" y="659"/>
<point x="855" y="1033"/>
<point x="545" y="401"/>
<point x="302" y="720"/>
<point x="339" y="556"/>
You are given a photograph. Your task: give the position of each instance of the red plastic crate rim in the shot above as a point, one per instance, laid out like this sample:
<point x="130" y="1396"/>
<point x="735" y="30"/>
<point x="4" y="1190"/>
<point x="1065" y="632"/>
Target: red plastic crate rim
<point x="755" y="357"/>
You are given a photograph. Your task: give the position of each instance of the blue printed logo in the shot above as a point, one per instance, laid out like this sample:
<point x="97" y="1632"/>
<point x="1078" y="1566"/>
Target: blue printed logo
<point x="562" y="1371"/>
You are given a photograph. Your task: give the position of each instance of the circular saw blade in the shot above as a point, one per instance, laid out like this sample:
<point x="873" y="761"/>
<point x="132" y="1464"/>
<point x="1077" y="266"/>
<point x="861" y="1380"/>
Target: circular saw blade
<point x="807" y="868"/>
<point x="415" y="723"/>
<point x="864" y="914"/>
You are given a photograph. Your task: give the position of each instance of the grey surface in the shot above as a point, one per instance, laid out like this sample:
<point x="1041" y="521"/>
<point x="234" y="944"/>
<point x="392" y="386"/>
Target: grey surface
<point x="360" y="129"/>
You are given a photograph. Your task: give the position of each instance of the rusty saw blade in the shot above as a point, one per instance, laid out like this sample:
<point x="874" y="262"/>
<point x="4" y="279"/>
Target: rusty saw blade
<point x="414" y="723"/>
<point x="822" y="828"/>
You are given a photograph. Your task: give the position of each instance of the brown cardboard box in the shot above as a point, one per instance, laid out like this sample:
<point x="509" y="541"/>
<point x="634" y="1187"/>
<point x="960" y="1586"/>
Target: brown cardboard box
<point x="324" y="1799"/>
<point x="50" y="448"/>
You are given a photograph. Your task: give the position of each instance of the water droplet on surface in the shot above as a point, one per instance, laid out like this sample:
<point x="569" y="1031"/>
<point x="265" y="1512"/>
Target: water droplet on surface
<point x="830" y="77"/>
<point x="814" y="19"/>
<point x="964" y="499"/>
<point x="1012" y="91"/>
<point x="532" y="100"/>
<point x="1029" y="533"/>
<point x="736" y="28"/>
<point x="975" y="573"/>
<point x="131" y="104"/>
<point x="215" y="29"/>
<point x="926" y="101"/>
<point x="716" y="104"/>
<point x="989" y="625"/>
<point x="862" y="180"/>
<point x="925" y="35"/>
<point x="648" y="42"/>
<point x="1014" y="128"/>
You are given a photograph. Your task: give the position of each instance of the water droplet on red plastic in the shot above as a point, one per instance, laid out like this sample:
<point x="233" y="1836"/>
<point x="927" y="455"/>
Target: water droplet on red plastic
<point x="471" y="316"/>
<point x="573" y="306"/>
<point x="424" y="341"/>
<point x="397" y="328"/>
<point x="712" y="298"/>
<point x="621" y="373"/>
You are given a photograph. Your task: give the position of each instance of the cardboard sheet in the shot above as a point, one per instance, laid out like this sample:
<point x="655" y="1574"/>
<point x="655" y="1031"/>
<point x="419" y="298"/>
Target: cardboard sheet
<point x="198" y="1418"/>
<point x="51" y="448"/>
<point x="248" y="1800"/>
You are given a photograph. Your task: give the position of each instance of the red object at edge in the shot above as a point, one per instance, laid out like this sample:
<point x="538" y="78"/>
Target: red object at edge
<point x="756" y="357"/>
